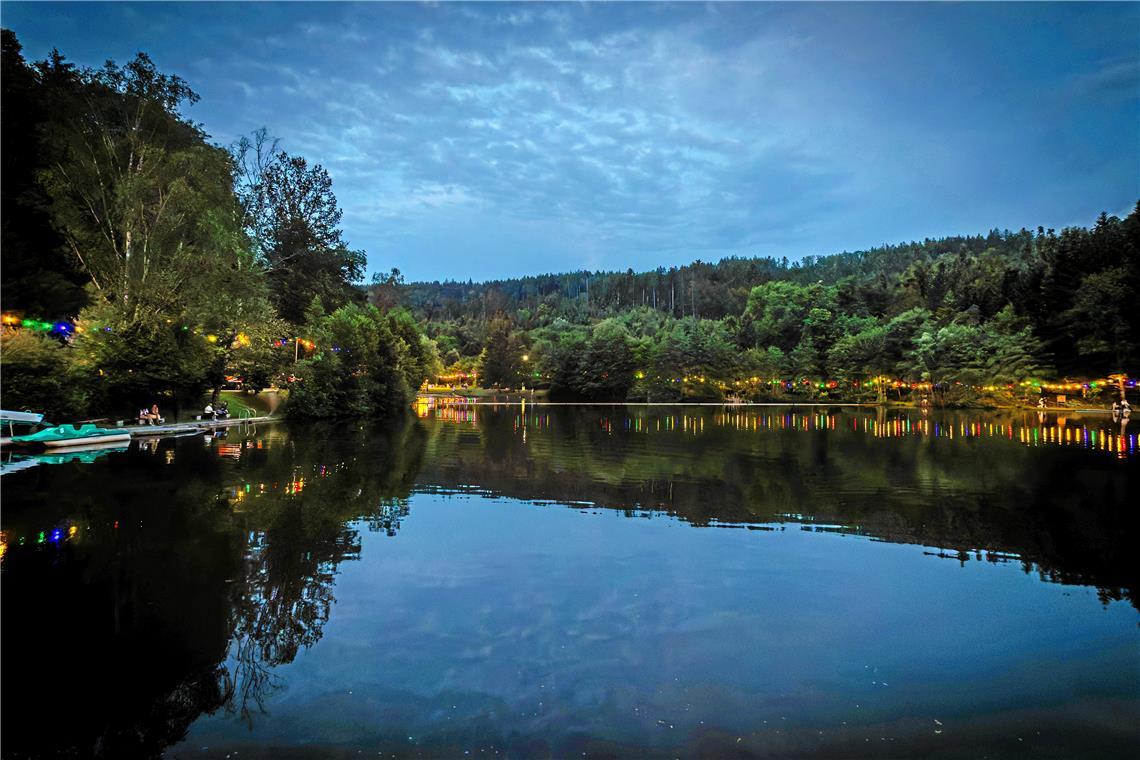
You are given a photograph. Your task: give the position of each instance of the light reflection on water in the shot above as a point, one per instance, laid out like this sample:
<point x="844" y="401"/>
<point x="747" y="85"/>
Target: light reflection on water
<point x="529" y="582"/>
<point x="1088" y="430"/>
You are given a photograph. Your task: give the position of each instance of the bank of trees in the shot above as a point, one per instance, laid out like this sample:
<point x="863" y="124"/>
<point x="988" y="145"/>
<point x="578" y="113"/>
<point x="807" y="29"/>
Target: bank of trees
<point x="955" y="312"/>
<point x="167" y="262"/>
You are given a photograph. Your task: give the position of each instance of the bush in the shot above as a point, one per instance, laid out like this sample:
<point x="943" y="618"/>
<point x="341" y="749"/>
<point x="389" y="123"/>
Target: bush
<point x="365" y="364"/>
<point x="37" y="373"/>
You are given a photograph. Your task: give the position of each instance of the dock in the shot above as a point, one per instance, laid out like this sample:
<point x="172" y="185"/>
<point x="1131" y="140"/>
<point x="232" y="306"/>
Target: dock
<point x="175" y="428"/>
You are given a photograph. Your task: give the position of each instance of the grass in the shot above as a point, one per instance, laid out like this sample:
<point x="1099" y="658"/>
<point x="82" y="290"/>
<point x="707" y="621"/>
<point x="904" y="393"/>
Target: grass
<point x="261" y="405"/>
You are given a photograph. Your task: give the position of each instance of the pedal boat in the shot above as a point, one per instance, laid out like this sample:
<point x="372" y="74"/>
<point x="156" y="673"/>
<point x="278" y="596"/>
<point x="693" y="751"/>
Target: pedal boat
<point x="67" y="436"/>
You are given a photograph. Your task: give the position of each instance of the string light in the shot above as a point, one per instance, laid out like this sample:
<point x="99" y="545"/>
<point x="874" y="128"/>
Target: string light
<point x="243" y="340"/>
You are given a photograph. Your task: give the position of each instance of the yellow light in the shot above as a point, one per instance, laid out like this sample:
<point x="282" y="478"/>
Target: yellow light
<point x="212" y="338"/>
<point x="526" y="357"/>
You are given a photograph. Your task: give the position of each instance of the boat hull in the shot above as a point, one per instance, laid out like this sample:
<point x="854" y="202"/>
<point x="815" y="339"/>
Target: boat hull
<point x="70" y="436"/>
<point x="87" y="441"/>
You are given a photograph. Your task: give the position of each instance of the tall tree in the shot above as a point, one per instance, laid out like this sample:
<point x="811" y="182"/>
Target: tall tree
<point x="291" y="212"/>
<point x="502" y="357"/>
<point x="39" y="277"/>
<point x="139" y="195"/>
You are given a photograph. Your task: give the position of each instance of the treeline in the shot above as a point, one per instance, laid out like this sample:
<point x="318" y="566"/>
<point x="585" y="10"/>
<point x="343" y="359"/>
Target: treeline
<point x="143" y="263"/>
<point x="953" y="312"/>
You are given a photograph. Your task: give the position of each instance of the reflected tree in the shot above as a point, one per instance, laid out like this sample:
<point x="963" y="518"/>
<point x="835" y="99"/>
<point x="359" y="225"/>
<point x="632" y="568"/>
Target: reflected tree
<point x="297" y="537"/>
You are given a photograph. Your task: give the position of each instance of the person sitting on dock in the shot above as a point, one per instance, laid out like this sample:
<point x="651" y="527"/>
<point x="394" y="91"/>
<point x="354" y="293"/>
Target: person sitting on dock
<point x="154" y="415"/>
<point x="223" y="410"/>
<point x="144" y="416"/>
<point x="210" y="412"/>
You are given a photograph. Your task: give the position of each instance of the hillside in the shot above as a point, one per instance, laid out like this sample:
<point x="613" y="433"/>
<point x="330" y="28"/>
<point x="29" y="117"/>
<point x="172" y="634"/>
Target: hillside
<point x="994" y="308"/>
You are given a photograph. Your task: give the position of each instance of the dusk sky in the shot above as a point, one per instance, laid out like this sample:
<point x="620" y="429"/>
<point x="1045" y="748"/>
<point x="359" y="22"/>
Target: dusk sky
<point x="490" y="140"/>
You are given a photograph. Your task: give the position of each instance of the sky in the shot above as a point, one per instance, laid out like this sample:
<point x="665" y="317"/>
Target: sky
<point x="477" y="141"/>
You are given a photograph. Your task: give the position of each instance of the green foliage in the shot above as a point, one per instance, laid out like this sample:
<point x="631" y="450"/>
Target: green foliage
<point x="143" y="202"/>
<point x="778" y="311"/>
<point x="131" y="363"/>
<point x="897" y="310"/>
<point x="419" y="355"/>
<point x="38" y="377"/>
<point x="700" y="348"/>
<point x="606" y="367"/>
<point x="954" y="311"/>
<point x="366" y="364"/>
<point x="501" y="363"/>
<point x="291" y="213"/>
<point x="559" y="348"/>
<point x="113" y="186"/>
<point x="1100" y="317"/>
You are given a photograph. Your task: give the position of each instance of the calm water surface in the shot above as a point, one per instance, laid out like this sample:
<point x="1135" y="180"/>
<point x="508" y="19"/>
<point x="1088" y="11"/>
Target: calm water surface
<point x="581" y="581"/>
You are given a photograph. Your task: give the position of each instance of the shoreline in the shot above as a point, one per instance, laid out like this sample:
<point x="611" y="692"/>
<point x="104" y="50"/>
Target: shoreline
<point x="484" y="401"/>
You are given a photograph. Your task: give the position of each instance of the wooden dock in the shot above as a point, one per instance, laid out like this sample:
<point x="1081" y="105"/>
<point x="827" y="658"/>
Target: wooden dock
<point x="175" y="428"/>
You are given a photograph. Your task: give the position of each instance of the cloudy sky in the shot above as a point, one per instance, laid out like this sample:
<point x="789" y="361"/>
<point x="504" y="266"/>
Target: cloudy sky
<point x="486" y="140"/>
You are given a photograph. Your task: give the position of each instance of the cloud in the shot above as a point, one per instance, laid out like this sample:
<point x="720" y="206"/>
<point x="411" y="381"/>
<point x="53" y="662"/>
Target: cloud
<point x="632" y="133"/>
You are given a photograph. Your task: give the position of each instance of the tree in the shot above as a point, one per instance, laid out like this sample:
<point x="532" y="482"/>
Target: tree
<point x="560" y="347"/>
<point x="132" y="362"/>
<point x="386" y="290"/>
<point x="502" y="357"/>
<point x="419" y="355"/>
<point x="40" y="277"/>
<point x="606" y="368"/>
<point x="139" y="196"/>
<point x="1100" y="319"/>
<point x="291" y="212"/>
<point x="39" y="376"/>
<point x="1009" y="352"/>
<point x="364" y="363"/>
<point x="777" y="311"/>
<point x="148" y="210"/>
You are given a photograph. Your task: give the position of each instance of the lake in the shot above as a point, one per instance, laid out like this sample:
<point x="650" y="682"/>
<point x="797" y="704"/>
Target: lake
<point x="581" y="581"/>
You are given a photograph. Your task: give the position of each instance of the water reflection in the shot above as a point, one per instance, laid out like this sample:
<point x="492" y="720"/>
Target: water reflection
<point x="189" y="582"/>
<point x="996" y="485"/>
<point x="1089" y="430"/>
<point x="199" y="569"/>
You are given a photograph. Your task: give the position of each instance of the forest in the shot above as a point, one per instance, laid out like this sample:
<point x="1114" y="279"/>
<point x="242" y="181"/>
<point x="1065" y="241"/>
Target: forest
<point x="980" y="319"/>
<point x="144" y="262"/>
